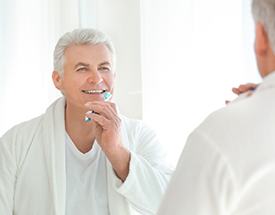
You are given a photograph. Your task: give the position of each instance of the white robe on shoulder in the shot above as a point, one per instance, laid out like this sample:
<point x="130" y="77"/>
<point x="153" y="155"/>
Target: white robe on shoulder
<point x="33" y="173"/>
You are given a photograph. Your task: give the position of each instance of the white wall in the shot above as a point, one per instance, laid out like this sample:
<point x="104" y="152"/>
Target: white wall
<point x="121" y="20"/>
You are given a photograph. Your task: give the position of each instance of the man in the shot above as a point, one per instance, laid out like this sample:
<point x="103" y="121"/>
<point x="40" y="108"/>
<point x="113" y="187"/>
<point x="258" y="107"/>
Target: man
<point x="228" y="164"/>
<point x="81" y="156"/>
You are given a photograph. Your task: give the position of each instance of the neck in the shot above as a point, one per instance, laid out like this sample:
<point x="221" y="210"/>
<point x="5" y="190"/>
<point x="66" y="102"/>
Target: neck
<point x="81" y="133"/>
<point x="267" y="63"/>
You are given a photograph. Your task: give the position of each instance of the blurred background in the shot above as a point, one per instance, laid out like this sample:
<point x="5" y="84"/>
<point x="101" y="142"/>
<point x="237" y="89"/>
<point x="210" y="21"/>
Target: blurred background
<point x="177" y="60"/>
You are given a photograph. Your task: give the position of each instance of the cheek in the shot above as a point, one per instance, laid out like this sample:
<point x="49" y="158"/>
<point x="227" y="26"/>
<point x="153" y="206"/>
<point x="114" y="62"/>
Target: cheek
<point x="72" y="82"/>
<point x="109" y="81"/>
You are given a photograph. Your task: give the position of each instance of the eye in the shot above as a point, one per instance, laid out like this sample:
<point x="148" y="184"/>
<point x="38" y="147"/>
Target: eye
<point x="104" y="69"/>
<point x="81" y="69"/>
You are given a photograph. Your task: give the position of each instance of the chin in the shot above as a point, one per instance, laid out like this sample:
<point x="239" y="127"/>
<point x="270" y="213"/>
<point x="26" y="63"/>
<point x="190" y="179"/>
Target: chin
<point x="90" y="98"/>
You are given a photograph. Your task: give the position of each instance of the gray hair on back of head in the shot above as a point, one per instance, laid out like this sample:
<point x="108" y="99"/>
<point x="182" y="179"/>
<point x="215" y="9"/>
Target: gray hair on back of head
<point x="264" y="12"/>
<point x="81" y="36"/>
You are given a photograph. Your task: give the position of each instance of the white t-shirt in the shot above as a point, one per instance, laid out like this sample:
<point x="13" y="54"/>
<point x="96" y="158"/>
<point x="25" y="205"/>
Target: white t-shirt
<point x="86" y="184"/>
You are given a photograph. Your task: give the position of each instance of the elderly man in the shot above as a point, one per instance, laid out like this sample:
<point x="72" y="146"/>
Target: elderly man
<point x="82" y="156"/>
<point x="228" y="164"/>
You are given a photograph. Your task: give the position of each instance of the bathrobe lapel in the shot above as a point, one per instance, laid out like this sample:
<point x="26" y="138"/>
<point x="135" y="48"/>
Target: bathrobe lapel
<point x="53" y="138"/>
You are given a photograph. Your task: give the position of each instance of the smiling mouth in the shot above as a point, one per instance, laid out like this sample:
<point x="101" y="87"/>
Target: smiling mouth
<point x="93" y="91"/>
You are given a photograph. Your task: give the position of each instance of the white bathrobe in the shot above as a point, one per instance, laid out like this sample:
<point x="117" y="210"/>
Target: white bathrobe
<point x="228" y="164"/>
<point x="33" y="175"/>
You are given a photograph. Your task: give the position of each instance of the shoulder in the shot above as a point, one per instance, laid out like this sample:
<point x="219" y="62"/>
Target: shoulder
<point x="234" y="131"/>
<point x="223" y="130"/>
<point x="16" y="141"/>
<point x="240" y="116"/>
<point x="136" y="127"/>
<point x="23" y="130"/>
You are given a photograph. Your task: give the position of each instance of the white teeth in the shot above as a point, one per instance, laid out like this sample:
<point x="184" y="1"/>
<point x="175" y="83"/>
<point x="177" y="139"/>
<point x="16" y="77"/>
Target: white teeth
<point x="93" y="91"/>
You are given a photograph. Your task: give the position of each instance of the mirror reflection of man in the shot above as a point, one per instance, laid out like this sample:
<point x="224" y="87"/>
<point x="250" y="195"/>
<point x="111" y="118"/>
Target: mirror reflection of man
<point x="82" y="156"/>
<point x="228" y="164"/>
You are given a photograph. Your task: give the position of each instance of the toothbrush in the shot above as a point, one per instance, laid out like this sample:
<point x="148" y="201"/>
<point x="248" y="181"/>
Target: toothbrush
<point x="106" y="96"/>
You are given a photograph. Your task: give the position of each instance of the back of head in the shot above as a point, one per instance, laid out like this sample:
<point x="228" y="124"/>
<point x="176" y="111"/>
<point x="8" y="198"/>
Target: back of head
<point x="81" y="36"/>
<point x="264" y="12"/>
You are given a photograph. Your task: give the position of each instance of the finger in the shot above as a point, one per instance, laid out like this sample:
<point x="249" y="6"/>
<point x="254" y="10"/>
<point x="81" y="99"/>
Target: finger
<point x="104" y="123"/>
<point x="246" y="87"/>
<point x="113" y="107"/>
<point x="115" y="120"/>
<point x="101" y="110"/>
<point x="236" y="90"/>
<point x="107" y="109"/>
<point x="252" y="86"/>
<point x="101" y="121"/>
<point x="108" y="105"/>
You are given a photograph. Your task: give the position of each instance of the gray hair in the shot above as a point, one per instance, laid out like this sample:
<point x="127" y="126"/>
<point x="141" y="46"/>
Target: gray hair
<point x="81" y="36"/>
<point x="264" y="12"/>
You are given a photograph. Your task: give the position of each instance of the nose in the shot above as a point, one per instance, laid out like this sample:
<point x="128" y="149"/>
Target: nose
<point x="94" y="77"/>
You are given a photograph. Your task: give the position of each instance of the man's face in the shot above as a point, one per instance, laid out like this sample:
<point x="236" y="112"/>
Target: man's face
<point x="88" y="69"/>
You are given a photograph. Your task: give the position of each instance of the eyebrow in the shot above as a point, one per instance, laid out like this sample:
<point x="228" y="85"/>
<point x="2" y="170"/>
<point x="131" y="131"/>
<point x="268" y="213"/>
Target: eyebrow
<point x="105" y="63"/>
<point x="81" y="64"/>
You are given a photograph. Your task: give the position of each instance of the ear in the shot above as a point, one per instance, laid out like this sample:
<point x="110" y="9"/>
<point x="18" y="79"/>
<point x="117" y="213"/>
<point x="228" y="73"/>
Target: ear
<point x="261" y="40"/>
<point x="57" y="80"/>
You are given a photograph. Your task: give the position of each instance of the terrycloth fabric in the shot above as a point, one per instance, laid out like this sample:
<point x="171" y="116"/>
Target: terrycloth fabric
<point x="228" y="164"/>
<point x="33" y="177"/>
